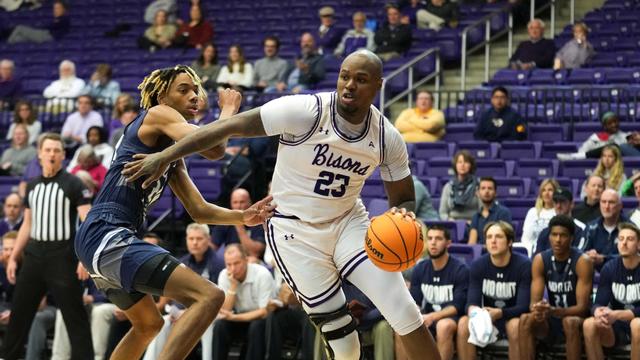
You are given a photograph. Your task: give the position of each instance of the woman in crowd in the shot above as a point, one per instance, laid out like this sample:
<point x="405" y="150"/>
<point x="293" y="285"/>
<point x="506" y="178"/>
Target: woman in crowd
<point x="26" y="115"/>
<point x="611" y="168"/>
<point x="195" y="33"/>
<point x="206" y="66"/>
<point x="538" y="217"/>
<point x="158" y="35"/>
<point x="238" y="74"/>
<point x="459" y="200"/>
<point x="96" y="137"/>
<point x="16" y="158"/>
<point x="121" y="103"/>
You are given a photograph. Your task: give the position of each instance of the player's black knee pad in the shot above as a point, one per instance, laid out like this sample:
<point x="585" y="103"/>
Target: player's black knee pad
<point x="322" y="319"/>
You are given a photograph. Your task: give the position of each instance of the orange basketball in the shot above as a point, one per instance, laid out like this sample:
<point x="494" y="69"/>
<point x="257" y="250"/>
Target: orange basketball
<point x="394" y="242"/>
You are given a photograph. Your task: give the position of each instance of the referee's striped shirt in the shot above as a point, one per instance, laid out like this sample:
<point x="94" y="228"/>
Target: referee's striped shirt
<point x="53" y="202"/>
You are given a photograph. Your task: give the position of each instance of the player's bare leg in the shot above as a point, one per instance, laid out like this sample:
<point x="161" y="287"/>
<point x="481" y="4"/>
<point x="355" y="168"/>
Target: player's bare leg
<point x="419" y="344"/>
<point x="146" y="322"/>
<point x="571" y="325"/>
<point x="445" y="334"/>
<point x="529" y="330"/>
<point x="595" y="337"/>
<point x="635" y="338"/>
<point x="203" y="300"/>
<point x="466" y="351"/>
<point x="513" y="334"/>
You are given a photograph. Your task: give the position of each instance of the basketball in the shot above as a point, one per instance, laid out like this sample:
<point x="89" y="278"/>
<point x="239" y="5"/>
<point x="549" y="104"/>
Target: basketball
<point x="394" y="242"/>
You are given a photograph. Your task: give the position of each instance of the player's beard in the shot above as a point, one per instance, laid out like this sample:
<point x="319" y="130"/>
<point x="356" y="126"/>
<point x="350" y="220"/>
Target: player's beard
<point x="438" y="255"/>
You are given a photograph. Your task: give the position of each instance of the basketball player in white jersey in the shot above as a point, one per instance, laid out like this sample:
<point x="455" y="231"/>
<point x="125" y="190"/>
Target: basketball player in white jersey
<point x="329" y="144"/>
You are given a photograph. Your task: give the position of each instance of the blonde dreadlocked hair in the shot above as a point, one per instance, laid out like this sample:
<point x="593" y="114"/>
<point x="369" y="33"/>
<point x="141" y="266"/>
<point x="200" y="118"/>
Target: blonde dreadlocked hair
<point x="159" y="81"/>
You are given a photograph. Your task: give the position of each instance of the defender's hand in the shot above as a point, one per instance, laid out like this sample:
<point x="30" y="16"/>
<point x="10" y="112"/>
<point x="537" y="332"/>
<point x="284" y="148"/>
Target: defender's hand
<point x="150" y="165"/>
<point x="229" y="99"/>
<point x="259" y="212"/>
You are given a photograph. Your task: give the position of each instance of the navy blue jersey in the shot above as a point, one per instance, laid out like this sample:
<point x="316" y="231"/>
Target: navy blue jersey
<point x="507" y="288"/>
<point x="130" y="196"/>
<point x="561" y="278"/>
<point x="619" y="287"/>
<point x="434" y="290"/>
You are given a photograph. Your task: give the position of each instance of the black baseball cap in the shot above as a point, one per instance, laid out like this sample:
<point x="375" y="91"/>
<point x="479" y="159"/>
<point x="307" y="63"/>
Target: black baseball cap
<point x="562" y="194"/>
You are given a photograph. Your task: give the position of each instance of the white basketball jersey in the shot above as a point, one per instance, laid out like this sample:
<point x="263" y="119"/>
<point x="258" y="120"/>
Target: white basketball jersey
<point x="319" y="176"/>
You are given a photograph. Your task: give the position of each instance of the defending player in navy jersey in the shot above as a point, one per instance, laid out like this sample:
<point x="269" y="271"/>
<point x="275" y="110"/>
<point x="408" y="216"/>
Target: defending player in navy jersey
<point x="616" y="310"/>
<point x="567" y="275"/>
<point x="439" y="286"/>
<point x="109" y="243"/>
<point x="499" y="282"/>
<point x="330" y="143"/>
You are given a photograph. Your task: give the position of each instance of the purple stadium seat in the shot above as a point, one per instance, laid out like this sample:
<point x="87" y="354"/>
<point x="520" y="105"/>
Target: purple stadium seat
<point x="631" y="165"/>
<point x="434" y="149"/>
<point x="547" y="77"/>
<point x="417" y="166"/>
<point x="551" y="150"/>
<point x="513" y="150"/>
<point x="466" y="253"/>
<point x="622" y="76"/>
<point x="439" y="167"/>
<point x="510" y="77"/>
<point x="519" y="207"/>
<point x="480" y="149"/>
<point x="167" y="202"/>
<point x="377" y="207"/>
<point x="546" y="132"/>
<point x="513" y="187"/>
<point x="461" y="113"/>
<point x="586" y="76"/>
<point x="373" y="188"/>
<point x="494" y="168"/>
<point x="431" y="183"/>
<point x="532" y="168"/>
<point x="578" y="168"/>
<point x="459" y="132"/>
<point x="582" y="131"/>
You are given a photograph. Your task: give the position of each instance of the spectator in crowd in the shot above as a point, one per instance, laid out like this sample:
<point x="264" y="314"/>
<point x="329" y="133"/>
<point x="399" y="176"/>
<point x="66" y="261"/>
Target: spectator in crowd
<point x="592" y="147"/>
<point x="500" y="122"/>
<point x="238" y="74"/>
<point x="10" y="85"/>
<point x="204" y="115"/>
<point x="122" y="101"/>
<point x="371" y="323"/>
<point x="101" y="314"/>
<point x="248" y="288"/>
<point x="102" y="87"/>
<point x="538" y="217"/>
<point x="410" y="9"/>
<point x="129" y="113"/>
<point x="197" y="32"/>
<point x="500" y="284"/>
<point x="89" y="162"/>
<point x="270" y="72"/>
<point x="55" y="30"/>
<point x="251" y="238"/>
<point x="206" y="66"/>
<point x="48" y="261"/>
<point x="439" y="287"/>
<point x="577" y="52"/>
<point x="422" y="123"/>
<point x="42" y="324"/>
<point x="438" y="13"/>
<point x="634" y="215"/>
<point x="66" y="87"/>
<point x="424" y="206"/>
<point x="15" y="159"/>
<point x="393" y="38"/>
<point x="77" y="124"/>
<point x="25" y="114"/>
<point x="357" y="38"/>
<point x="569" y="293"/>
<point x="329" y="34"/>
<point x="611" y="168"/>
<point x="97" y="139"/>
<point x="6" y="288"/>
<point x="491" y="210"/>
<point x="12" y="210"/>
<point x="168" y="6"/>
<point x="202" y="259"/>
<point x="601" y="233"/>
<point x="458" y="200"/>
<point x="616" y="309"/>
<point x="537" y="52"/>
<point x="563" y="204"/>
<point x="159" y="35"/>
<point x="589" y="209"/>
<point x="632" y="146"/>
<point x="309" y="67"/>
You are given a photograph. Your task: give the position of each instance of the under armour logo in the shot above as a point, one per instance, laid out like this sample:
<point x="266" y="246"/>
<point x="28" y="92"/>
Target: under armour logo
<point x="436" y="279"/>
<point x="630" y="278"/>
<point x="371" y="144"/>
<point x="290" y="236"/>
<point x="500" y="276"/>
<point x="325" y="131"/>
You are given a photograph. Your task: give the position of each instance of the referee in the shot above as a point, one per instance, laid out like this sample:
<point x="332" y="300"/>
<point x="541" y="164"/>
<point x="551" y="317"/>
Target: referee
<point x="53" y="203"/>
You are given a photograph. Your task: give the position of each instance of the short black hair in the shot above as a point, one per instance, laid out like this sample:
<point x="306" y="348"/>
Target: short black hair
<point x="272" y="38"/>
<point x="444" y="229"/>
<point x="489" y="178"/>
<point x="501" y="89"/>
<point x="565" y="221"/>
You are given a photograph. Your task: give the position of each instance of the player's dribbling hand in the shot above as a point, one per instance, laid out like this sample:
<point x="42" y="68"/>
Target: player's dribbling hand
<point x="229" y="100"/>
<point x="402" y="211"/>
<point x="259" y="212"/>
<point x="145" y="164"/>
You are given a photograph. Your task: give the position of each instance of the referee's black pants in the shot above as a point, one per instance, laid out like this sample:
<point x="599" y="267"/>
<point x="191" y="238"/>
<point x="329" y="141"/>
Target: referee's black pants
<point x="48" y="267"/>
